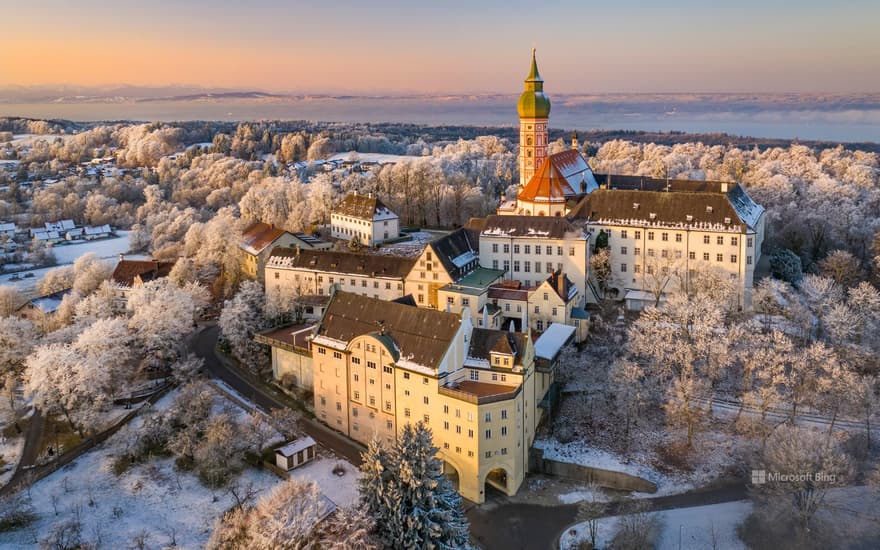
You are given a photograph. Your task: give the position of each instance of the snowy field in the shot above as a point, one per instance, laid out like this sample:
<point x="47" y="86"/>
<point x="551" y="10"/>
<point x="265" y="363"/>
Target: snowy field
<point x="152" y="497"/>
<point x="10" y="452"/>
<point x="695" y="526"/>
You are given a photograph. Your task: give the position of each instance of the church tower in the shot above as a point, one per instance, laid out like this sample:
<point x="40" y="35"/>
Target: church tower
<point x="534" y="110"/>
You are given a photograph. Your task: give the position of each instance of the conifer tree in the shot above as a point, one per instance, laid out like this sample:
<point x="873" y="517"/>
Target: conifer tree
<point x="404" y="490"/>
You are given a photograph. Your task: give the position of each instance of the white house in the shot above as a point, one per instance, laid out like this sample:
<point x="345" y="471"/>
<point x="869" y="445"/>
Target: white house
<point x="296" y="453"/>
<point x="364" y="217"/>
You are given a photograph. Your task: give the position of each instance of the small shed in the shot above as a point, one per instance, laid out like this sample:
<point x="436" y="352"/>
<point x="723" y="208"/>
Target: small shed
<point x="296" y="453"/>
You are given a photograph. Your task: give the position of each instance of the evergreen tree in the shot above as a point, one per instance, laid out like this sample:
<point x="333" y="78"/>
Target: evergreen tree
<point x="404" y="490"/>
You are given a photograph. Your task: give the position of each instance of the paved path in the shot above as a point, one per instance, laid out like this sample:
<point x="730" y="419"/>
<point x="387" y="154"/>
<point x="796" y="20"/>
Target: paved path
<point x="501" y="524"/>
<point x="31" y="450"/>
<point x="204" y="344"/>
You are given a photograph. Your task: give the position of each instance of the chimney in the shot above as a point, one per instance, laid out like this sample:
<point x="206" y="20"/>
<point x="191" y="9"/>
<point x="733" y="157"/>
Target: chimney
<point x="121" y="257"/>
<point x="574" y="140"/>
<point x="297" y="250"/>
<point x="724" y="187"/>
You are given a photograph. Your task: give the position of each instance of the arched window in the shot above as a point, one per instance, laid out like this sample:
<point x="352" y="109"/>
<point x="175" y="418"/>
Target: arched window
<point x="528" y="141"/>
<point x="529" y="153"/>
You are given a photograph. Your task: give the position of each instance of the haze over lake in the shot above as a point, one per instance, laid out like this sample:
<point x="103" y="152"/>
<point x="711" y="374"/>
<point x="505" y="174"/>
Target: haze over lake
<point x="843" y="118"/>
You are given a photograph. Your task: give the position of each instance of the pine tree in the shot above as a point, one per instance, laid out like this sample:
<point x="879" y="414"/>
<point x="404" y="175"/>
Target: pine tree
<point x="404" y="490"/>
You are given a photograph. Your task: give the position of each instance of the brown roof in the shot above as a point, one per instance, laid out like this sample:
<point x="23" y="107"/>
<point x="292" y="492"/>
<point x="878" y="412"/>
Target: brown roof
<point x="363" y="207"/>
<point x="547" y="185"/>
<point x="671" y="209"/>
<point x="127" y="271"/>
<point x="257" y="237"/>
<point x="419" y="335"/>
<point x="562" y="285"/>
<point x="483" y="389"/>
<point x="540" y="227"/>
<point x="486" y="341"/>
<point x="349" y="263"/>
<point x="461" y="244"/>
<point x="508" y="291"/>
<point x="292" y="335"/>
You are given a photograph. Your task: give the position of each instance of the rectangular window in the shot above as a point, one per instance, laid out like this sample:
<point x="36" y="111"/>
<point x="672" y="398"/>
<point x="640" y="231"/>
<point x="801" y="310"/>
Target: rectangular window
<point x="549" y="267"/>
<point x="458" y="429"/>
<point x="664" y="253"/>
<point x="516" y="249"/>
<point x="527" y="249"/>
<point x="337" y="355"/>
<point x="527" y="266"/>
<point x="488" y="434"/>
<point x="649" y="269"/>
<point x="488" y="417"/>
<point x="471" y="434"/>
<point x="537" y="250"/>
<point x="465" y="302"/>
<point x="705" y="239"/>
<point x="638" y="234"/>
<point x="734" y="241"/>
<point x="664" y="236"/>
<point x="503" y="430"/>
<point x="623" y="234"/>
<point x="322" y="351"/>
<point x="507" y="249"/>
<point x="553" y="312"/>
<point x="475" y="375"/>
<point x="637" y="251"/>
<point x="494" y="264"/>
<point x="692" y="255"/>
<point x="720" y="240"/>
<point x="537" y="309"/>
<point x="637" y="268"/>
<point x="495" y="247"/>
<point x="371" y="364"/>
<point x="425" y="400"/>
<point x="407" y="413"/>
<point x="506" y="265"/>
<point x="387" y="286"/>
<point x="705" y="256"/>
<point x="516" y="266"/>
<point x="559" y="251"/>
<point x="445" y="425"/>
<point x="748" y="260"/>
<point x="357" y="395"/>
<point x="749" y="242"/>
<point x="678" y="237"/>
<point x="571" y="251"/>
<point x="387" y="370"/>
<point x="426" y="418"/>
<point x="678" y="254"/>
<point x="650" y="252"/>
<point x="623" y="268"/>
<point x="719" y="257"/>
<point x="549" y="250"/>
<point x="733" y="258"/>
<point x="388" y="405"/>
<point x="650" y="235"/>
<point x="623" y="250"/>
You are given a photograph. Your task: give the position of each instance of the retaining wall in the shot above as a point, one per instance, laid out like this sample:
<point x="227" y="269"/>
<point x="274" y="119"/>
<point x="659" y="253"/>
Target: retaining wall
<point x="609" y="479"/>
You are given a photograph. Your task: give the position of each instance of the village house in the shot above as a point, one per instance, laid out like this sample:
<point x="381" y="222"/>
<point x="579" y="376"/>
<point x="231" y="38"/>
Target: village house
<point x="291" y="357"/>
<point x="41" y="311"/>
<point x="366" y="218"/>
<point x="258" y="240"/>
<point x="131" y="273"/>
<point x="380" y="365"/>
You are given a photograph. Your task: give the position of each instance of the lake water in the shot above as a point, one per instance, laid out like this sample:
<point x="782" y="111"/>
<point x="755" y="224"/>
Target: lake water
<point x="840" y="121"/>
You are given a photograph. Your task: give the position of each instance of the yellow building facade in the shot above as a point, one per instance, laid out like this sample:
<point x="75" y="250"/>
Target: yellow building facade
<point x="380" y="365"/>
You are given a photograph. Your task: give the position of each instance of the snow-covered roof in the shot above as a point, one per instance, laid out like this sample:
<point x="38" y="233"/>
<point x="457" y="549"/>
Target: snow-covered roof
<point x="296" y="446"/>
<point x="6" y="227"/>
<point x="553" y="340"/>
<point x="98" y="230"/>
<point x="63" y="225"/>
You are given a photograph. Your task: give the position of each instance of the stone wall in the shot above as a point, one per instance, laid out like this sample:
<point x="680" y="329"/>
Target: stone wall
<point x="609" y="479"/>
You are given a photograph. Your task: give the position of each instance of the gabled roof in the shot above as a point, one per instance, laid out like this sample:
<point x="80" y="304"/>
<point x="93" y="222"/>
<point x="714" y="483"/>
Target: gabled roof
<point x="540" y="227"/>
<point x="421" y="335"/>
<point x="732" y="210"/>
<point x="348" y="263"/>
<point x="456" y="252"/>
<point x="258" y="236"/>
<point x="364" y="207"/>
<point x="562" y="285"/>
<point x="574" y="168"/>
<point x="547" y="185"/>
<point x="128" y="270"/>
<point x="49" y="303"/>
<point x="484" y="342"/>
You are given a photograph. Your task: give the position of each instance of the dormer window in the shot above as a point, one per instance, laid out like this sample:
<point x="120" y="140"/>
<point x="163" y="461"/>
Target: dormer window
<point x="635" y="206"/>
<point x="709" y="209"/>
<point x="727" y="221"/>
<point x="689" y="218"/>
<point x="653" y="215"/>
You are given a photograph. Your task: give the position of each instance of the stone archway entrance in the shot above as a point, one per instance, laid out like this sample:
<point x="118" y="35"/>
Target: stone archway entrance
<point x="497" y="479"/>
<point x="451" y="472"/>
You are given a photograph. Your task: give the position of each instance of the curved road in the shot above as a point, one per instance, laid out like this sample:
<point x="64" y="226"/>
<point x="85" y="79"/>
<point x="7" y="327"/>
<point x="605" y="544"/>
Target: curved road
<point x="264" y="396"/>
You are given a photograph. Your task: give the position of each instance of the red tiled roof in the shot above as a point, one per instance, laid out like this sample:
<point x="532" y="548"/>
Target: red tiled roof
<point x="128" y="270"/>
<point x="257" y="237"/>
<point x="547" y="185"/>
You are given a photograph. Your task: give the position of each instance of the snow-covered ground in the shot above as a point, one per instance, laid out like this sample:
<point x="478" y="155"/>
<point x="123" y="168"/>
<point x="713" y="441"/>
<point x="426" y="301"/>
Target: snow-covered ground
<point x="10" y="451"/>
<point x="580" y="452"/>
<point x="152" y="497"/>
<point x="381" y="158"/>
<point x="104" y="248"/>
<point x="694" y="526"/>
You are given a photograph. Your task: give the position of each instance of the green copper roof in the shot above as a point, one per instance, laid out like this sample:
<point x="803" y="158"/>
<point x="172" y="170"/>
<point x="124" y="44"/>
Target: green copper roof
<point x="533" y="103"/>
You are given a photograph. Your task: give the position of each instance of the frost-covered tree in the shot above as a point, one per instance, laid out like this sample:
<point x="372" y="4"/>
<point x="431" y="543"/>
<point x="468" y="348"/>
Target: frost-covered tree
<point x="404" y="490"/>
<point x="98" y="305"/>
<point x="10" y="300"/>
<point x="808" y="465"/>
<point x="244" y="315"/>
<point x="17" y="339"/>
<point x="844" y="268"/>
<point x="162" y="314"/>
